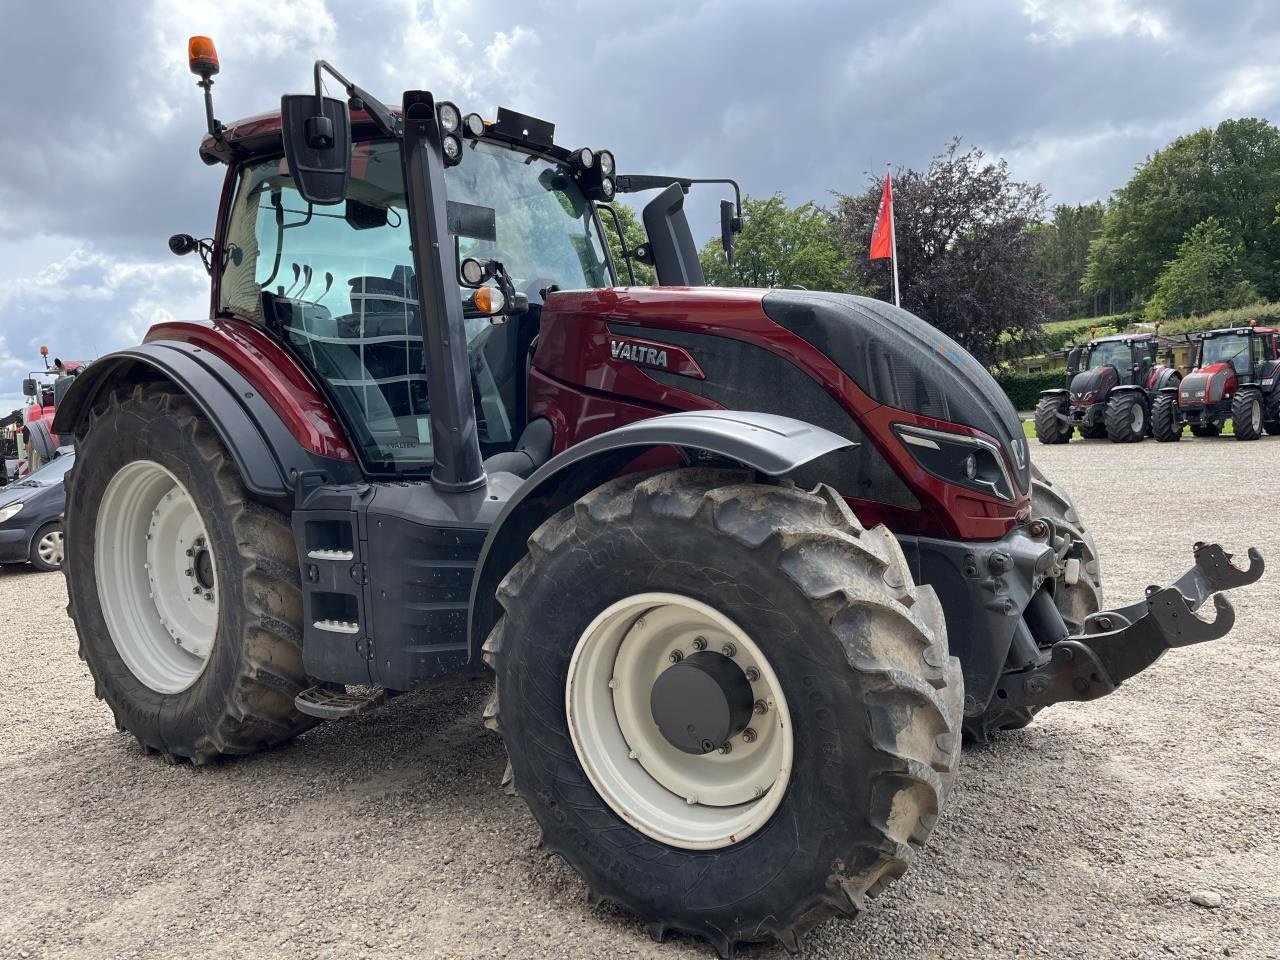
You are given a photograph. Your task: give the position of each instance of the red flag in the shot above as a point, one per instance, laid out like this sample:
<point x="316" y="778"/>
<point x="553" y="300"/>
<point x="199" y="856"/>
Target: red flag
<point x="882" y="232"/>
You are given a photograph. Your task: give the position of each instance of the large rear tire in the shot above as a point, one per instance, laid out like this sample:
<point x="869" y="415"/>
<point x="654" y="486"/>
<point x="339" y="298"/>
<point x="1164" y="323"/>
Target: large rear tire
<point x="1271" y="423"/>
<point x="1247" y="415"/>
<point x="859" y="657"/>
<point x="184" y="591"/>
<point x="1074" y="601"/>
<point x="1126" y="417"/>
<point x="1165" y="426"/>
<point x="1049" y="428"/>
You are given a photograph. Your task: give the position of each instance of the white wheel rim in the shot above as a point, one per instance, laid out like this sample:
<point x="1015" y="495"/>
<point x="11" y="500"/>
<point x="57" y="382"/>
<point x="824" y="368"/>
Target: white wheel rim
<point x="1137" y="418"/>
<point x="156" y="577"/>
<point x="1256" y="410"/>
<point x="689" y="801"/>
<point x="49" y="549"/>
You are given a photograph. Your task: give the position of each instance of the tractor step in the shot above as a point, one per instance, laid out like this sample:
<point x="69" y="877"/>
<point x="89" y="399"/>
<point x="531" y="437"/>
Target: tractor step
<point x="332" y="702"/>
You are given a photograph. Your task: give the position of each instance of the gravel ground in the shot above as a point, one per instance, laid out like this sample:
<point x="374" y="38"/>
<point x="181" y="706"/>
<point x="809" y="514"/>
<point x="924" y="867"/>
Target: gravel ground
<point x="1083" y="836"/>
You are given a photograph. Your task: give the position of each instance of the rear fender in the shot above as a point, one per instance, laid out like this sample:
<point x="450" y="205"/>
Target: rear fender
<point x="770" y="444"/>
<point x="266" y="453"/>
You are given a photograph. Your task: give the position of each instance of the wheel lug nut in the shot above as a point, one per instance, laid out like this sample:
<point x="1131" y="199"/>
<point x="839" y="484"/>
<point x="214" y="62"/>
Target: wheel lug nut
<point x="726" y="747"/>
<point x="676" y="656"/>
<point x="729" y="650"/>
<point x="752" y="674"/>
<point x="195" y="590"/>
<point x="699" y="643"/>
<point x="761" y="707"/>
<point x="749" y="735"/>
<point x="190" y="572"/>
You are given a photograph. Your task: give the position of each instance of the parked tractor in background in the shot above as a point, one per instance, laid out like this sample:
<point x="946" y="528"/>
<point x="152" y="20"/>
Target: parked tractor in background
<point x="1111" y="396"/>
<point x="745" y="564"/>
<point x="1236" y="377"/>
<point x="44" y="390"/>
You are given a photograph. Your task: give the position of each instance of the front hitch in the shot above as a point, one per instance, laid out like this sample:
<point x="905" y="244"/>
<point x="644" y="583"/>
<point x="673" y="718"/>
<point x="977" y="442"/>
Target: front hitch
<point x="1116" y="644"/>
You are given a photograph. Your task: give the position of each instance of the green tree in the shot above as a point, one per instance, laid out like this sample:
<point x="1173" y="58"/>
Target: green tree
<point x="1203" y="276"/>
<point x="966" y="252"/>
<point x="779" y="246"/>
<point x="634" y="234"/>
<point x="1231" y="172"/>
<point x="1064" y="255"/>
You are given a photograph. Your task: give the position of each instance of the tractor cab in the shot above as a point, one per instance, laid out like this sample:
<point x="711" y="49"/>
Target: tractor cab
<point x="1131" y="356"/>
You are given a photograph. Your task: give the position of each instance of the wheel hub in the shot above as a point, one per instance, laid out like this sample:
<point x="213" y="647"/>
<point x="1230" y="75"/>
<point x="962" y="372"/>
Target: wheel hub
<point x="702" y="702"/>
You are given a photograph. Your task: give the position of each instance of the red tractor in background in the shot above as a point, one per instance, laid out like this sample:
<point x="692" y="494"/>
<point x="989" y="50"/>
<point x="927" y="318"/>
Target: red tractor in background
<point x="1111" y="396"/>
<point x="1236" y="376"/>
<point x="746" y="564"/>
<point x="44" y="390"/>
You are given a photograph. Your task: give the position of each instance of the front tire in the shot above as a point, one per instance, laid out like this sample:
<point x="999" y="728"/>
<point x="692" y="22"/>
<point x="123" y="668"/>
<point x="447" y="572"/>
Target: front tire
<point x="1165" y="425"/>
<point x="1271" y="423"/>
<point x="1050" y="429"/>
<point x="858" y="652"/>
<point x="47" y="548"/>
<point x="184" y="591"/>
<point x="1246" y="415"/>
<point x="1126" y="417"/>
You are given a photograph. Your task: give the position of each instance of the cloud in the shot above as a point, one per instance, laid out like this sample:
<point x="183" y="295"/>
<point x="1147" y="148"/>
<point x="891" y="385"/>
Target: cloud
<point x="1070" y="21"/>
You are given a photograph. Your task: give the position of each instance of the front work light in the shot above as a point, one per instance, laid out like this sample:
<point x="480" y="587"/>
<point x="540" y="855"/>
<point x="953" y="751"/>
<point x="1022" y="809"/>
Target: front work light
<point x="606" y="162"/>
<point x="450" y="118"/>
<point x="452" y="147"/>
<point x="473" y="125"/>
<point x="202" y="57"/>
<point x="584" y="158"/>
<point x="971" y="462"/>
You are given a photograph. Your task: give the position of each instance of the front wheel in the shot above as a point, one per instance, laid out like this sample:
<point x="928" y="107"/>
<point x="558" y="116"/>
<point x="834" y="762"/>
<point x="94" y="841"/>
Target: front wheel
<point x="1126" y="417"/>
<point x="184" y="591"/>
<point x="46" y="548"/>
<point x="1271" y="422"/>
<point x="1246" y="415"/>
<point x="726" y="703"/>
<point x="1051" y="428"/>
<point x="1165" y="425"/>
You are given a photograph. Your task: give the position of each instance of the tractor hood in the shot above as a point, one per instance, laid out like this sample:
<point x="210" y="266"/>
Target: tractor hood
<point x="1207" y="385"/>
<point x="899" y="360"/>
<point x="1093" y="386"/>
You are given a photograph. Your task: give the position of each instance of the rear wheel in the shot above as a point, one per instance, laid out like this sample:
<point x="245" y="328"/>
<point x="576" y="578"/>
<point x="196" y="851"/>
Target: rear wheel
<point x="1050" y="428"/>
<point x="46" y="547"/>
<point x="185" y="592"/>
<point x="1165" y="425"/>
<point x="1246" y="415"/>
<point x="726" y="703"/>
<point x="1075" y="601"/>
<point x="1126" y="417"/>
<point x="1271" y="420"/>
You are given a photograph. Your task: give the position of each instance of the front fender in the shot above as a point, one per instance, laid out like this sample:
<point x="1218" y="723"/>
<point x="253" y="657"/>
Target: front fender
<point x="266" y="453"/>
<point x="770" y="444"/>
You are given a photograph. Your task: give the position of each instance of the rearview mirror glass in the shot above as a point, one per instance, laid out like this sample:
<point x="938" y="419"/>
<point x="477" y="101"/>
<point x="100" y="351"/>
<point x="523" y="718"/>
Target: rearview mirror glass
<point x="1073" y="361"/>
<point x="727" y="213"/>
<point x="28" y="387"/>
<point x="317" y="146"/>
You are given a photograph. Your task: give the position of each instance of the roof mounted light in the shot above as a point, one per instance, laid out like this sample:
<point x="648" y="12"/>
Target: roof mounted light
<point x="605" y="158"/>
<point x="584" y="158"/>
<point x="450" y="117"/>
<point x="473" y="125"/>
<point x="451" y="146"/>
<point x="202" y="57"/>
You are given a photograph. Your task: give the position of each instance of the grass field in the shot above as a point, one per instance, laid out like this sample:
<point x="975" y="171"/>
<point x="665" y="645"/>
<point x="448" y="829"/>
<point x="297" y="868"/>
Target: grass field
<point x="1029" y="428"/>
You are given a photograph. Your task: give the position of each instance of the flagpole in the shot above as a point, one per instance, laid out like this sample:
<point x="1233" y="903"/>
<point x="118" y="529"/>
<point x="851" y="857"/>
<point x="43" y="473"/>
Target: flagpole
<point x="893" y="239"/>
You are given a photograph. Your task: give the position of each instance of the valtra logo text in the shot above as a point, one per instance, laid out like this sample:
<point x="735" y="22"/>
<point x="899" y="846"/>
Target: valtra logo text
<point x="638" y="354"/>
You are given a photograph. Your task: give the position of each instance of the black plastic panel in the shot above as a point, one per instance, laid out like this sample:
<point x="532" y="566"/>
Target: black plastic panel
<point x="742" y="376"/>
<point x="903" y="362"/>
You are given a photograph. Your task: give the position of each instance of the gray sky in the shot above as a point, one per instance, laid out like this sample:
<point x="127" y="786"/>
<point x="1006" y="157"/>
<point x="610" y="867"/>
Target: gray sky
<point x="100" y="120"/>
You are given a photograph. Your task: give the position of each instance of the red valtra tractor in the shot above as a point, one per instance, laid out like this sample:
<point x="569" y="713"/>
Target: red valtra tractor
<point x="1236" y="377"/>
<point x="1112" y="395"/>
<point x="745" y="564"/>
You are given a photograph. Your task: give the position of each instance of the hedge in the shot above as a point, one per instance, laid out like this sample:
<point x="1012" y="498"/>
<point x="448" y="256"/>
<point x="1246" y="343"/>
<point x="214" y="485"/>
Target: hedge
<point x="1023" y="389"/>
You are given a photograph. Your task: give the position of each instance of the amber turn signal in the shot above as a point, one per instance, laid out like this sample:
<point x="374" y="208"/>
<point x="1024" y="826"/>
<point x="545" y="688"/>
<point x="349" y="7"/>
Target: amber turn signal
<point x="488" y="300"/>
<point x="202" y="57"/>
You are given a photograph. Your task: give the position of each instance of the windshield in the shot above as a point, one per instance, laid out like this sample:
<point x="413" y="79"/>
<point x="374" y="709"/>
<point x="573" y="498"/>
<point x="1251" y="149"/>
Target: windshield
<point x="1228" y="348"/>
<point x="1114" y="352"/>
<point x="337" y="283"/>
<point x="52" y="472"/>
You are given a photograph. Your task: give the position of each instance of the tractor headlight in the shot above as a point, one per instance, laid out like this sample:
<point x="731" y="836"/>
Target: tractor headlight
<point x="9" y="512"/>
<point x="452" y="147"/>
<point x="970" y="462"/>
<point x="606" y="162"/>
<point x="606" y="188"/>
<point x="473" y="125"/>
<point x="584" y="158"/>
<point x="450" y="118"/>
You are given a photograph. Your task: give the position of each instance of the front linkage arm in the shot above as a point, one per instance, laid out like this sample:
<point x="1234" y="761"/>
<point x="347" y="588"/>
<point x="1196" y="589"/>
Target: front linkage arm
<point x="1116" y="644"/>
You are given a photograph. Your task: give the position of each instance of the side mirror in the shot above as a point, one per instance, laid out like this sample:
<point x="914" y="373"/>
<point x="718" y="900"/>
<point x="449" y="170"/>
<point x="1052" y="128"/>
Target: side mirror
<point x="29" y="387"/>
<point x="730" y="226"/>
<point x="1073" y="362"/>
<point x="317" y="146"/>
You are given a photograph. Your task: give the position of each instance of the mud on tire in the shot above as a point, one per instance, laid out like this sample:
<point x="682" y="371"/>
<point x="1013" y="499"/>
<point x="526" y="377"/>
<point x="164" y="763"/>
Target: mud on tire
<point x="860" y="653"/>
<point x="243" y="699"/>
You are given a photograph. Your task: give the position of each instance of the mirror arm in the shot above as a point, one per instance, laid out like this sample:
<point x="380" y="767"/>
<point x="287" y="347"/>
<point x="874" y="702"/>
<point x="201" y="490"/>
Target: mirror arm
<point x="387" y="123"/>
<point x="622" y="241"/>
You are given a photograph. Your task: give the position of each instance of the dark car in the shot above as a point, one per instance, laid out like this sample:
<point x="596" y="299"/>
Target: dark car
<point x="31" y="515"/>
